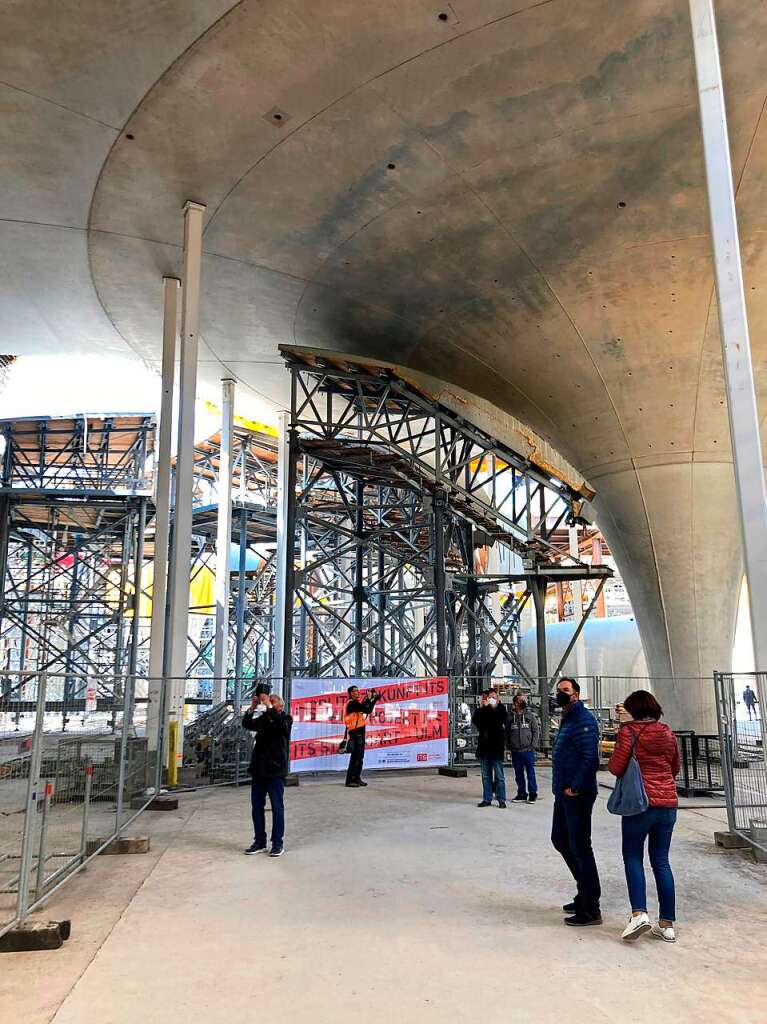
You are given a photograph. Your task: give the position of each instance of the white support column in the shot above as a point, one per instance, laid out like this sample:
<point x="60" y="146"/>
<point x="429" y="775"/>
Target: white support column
<point x="182" y="520"/>
<point x="280" y="590"/>
<point x="170" y="287"/>
<point x="733" y="325"/>
<point x="580" y="652"/>
<point x="224" y="541"/>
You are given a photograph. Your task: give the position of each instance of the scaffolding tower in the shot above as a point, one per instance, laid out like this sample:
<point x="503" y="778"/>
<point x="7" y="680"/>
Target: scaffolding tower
<point x="417" y="537"/>
<point x="74" y="503"/>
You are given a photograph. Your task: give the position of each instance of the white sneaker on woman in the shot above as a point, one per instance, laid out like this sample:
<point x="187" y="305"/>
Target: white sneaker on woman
<point x="667" y="934"/>
<point x="637" y="926"/>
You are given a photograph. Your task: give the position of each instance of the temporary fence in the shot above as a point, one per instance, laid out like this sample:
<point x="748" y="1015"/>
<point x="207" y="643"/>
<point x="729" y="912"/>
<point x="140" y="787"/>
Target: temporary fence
<point x="464" y="700"/>
<point x="744" y="768"/>
<point x="76" y="767"/>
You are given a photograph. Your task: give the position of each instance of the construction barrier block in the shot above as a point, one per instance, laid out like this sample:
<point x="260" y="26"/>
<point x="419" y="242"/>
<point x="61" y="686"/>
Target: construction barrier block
<point x="127" y="844"/>
<point x="730" y="841"/>
<point x="291" y="780"/>
<point x="453" y="773"/>
<point x="160" y="803"/>
<point x="35" y="935"/>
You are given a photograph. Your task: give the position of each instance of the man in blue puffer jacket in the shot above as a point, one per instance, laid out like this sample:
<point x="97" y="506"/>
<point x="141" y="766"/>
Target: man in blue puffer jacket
<point x="574" y="763"/>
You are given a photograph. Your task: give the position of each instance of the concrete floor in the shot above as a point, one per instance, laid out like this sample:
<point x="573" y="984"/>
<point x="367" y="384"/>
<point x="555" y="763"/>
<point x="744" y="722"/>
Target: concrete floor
<point x="399" y="902"/>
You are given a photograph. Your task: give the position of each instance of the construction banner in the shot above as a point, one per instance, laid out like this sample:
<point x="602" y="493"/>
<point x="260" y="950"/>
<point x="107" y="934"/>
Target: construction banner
<point x="408" y="728"/>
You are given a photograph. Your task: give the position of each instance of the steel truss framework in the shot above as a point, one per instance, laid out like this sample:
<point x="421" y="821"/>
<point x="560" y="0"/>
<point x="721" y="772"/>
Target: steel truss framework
<point x="419" y="538"/>
<point x="74" y="502"/>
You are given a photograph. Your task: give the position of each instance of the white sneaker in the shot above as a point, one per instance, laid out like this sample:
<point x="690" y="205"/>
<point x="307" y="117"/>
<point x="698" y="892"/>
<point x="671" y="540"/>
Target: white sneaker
<point x="637" y="926"/>
<point x="667" y="934"/>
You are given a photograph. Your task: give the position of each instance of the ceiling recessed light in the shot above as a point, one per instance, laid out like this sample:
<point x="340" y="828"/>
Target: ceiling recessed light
<point x="276" y="116"/>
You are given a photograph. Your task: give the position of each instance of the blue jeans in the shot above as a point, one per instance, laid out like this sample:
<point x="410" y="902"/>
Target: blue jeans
<point x="493" y="779"/>
<point x="657" y="825"/>
<point x="275" y="789"/>
<point x="524" y="762"/>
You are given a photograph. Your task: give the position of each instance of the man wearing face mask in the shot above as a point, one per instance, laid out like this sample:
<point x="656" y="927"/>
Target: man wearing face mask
<point x="574" y="763"/>
<point x="490" y="722"/>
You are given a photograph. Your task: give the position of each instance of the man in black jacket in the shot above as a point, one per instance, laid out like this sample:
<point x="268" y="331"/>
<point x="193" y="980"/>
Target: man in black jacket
<point x="490" y="722"/>
<point x="269" y="764"/>
<point x="355" y="717"/>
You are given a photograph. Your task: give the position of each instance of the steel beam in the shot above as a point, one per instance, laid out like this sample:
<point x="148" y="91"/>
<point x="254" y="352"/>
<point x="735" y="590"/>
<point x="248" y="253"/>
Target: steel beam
<point x="224" y="540"/>
<point x="182" y="518"/>
<point x="733" y="326"/>
<point x="170" y="286"/>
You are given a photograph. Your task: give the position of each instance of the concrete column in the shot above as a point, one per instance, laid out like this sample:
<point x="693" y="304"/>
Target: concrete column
<point x="733" y="325"/>
<point x="223" y="541"/>
<point x="182" y="520"/>
<point x="162" y="509"/>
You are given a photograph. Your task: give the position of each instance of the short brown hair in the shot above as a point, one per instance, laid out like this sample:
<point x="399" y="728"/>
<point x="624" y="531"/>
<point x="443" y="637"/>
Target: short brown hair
<point x="642" y="704"/>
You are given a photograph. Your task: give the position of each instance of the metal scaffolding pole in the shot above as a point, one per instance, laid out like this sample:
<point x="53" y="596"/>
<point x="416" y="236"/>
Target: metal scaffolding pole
<point x="241" y="597"/>
<point x="170" y="287"/>
<point x="733" y="326"/>
<point x="439" y="582"/>
<point x="283" y="598"/>
<point x="182" y="519"/>
<point x="224" y="541"/>
<point x="359" y="578"/>
<point x="538" y="587"/>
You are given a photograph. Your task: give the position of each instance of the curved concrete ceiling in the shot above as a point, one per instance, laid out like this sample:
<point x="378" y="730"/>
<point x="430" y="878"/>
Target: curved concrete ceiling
<point x="506" y="195"/>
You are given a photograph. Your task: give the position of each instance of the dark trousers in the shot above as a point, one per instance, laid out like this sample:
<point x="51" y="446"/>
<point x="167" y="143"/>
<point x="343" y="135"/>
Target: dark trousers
<point x="571" y="836"/>
<point x="275" y="789"/>
<point x="524" y="765"/>
<point x="357" y="751"/>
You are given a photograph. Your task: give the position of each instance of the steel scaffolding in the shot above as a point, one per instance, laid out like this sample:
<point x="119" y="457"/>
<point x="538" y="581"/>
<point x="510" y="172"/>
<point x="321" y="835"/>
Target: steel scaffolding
<point x="418" y="538"/>
<point x="253" y="534"/>
<point x="74" y="503"/>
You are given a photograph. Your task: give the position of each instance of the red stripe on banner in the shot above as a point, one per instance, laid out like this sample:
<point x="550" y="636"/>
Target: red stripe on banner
<point x="435" y="727"/>
<point x="304" y="709"/>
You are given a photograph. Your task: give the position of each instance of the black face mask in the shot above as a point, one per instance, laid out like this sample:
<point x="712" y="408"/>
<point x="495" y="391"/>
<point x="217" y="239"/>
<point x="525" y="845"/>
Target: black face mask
<point x="563" y="699"/>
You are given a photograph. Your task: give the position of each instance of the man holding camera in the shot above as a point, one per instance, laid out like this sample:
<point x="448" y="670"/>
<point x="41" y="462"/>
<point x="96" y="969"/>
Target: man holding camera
<point x="269" y="764"/>
<point x="354" y="719"/>
<point x="489" y="720"/>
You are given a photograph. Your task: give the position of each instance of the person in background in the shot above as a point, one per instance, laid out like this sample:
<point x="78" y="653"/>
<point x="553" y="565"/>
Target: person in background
<point x="657" y="753"/>
<point x="522" y="735"/>
<point x="574" y="764"/>
<point x="269" y="765"/>
<point x="355" y="717"/>
<point x="489" y="720"/>
<point x="749" y="699"/>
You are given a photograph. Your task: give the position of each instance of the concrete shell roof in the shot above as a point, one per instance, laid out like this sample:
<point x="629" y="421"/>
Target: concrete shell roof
<point x="510" y="198"/>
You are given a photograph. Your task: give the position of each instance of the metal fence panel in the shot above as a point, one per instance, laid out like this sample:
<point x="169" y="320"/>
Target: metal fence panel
<point x="74" y="769"/>
<point x="743" y="755"/>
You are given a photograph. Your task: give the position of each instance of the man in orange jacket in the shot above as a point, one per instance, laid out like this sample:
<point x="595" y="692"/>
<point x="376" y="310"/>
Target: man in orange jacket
<point x="354" y="719"/>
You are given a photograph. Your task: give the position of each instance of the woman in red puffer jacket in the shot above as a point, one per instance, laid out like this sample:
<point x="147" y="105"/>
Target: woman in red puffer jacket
<point x="656" y="750"/>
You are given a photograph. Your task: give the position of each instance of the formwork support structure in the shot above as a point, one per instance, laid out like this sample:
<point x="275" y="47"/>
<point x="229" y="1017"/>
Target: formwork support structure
<point x="383" y="535"/>
<point x="74" y="497"/>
